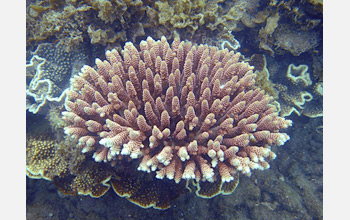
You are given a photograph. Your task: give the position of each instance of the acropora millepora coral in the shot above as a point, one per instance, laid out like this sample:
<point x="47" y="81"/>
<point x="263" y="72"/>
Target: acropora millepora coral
<point x="182" y="110"/>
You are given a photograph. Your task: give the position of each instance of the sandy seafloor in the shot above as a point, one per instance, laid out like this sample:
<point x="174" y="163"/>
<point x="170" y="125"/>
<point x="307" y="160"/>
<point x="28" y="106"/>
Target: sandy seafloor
<point x="290" y="189"/>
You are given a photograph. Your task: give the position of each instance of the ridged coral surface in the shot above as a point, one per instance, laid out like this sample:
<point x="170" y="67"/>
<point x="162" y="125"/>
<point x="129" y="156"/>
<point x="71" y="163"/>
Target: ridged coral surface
<point x="182" y="110"/>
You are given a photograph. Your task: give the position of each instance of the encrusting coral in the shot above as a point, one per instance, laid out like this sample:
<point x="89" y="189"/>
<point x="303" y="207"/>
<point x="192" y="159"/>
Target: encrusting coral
<point x="187" y="111"/>
<point x="295" y="92"/>
<point x="72" y="23"/>
<point x="290" y="28"/>
<point x="42" y="160"/>
<point x="49" y="71"/>
<point x="295" y="41"/>
<point x="47" y="159"/>
<point x="75" y="174"/>
<point x="283" y="26"/>
<point x="262" y="79"/>
<point x="298" y="93"/>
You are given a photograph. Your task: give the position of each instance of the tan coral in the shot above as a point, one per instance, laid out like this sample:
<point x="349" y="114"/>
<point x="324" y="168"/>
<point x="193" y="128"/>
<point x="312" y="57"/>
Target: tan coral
<point x="50" y="68"/>
<point x="298" y="93"/>
<point x="53" y="161"/>
<point x="188" y="111"/>
<point x="42" y="160"/>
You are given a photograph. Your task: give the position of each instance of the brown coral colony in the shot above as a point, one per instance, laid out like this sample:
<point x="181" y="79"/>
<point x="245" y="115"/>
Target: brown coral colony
<point x="187" y="111"/>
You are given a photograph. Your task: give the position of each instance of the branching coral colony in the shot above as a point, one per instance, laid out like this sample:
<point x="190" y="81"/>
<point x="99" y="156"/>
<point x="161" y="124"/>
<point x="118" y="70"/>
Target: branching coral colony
<point x="181" y="112"/>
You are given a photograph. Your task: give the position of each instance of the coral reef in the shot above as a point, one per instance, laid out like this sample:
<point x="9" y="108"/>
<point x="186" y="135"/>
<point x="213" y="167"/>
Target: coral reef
<point x="99" y="36"/>
<point x="190" y="112"/>
<point x="110" y="23"/>
<point x="65" y="22"/>
<point x="73" y="174"/>
<point x="48" y="74"/>
<point x="198" y="19"/>
<point x="294" y="40"/>
<point x="74" y="22"/>
<point x="42" y="161"/>
<point x="264" y="33"/>
<point x="295" y="91"/>
<point x="292" y="26"/>
<point x="262" y="79"/>
<point x="151" y="154"/>
<point x="290" y="189"/>
<point x="298" y="93"/>
<point x="186" y="112"/>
